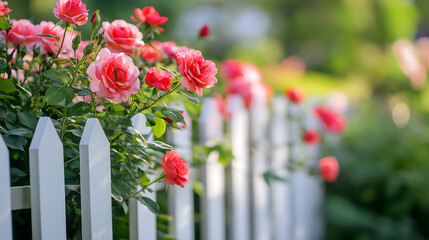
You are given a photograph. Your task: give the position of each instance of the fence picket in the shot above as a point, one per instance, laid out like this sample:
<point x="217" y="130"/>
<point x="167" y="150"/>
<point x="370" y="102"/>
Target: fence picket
<point x="142" y="220"/>
<point x="5" y="196"/>
<point x="48" y="214"/>
<point x="238" y="180"/>
<point x="213" y="173"/>
<point x="95" y="183"/>
<point x="282" y="211"/>
<point x="259" y="164"/>
<point x="181" y="200"/>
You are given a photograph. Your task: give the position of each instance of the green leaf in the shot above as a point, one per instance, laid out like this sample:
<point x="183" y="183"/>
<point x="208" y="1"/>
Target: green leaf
<point x="159" y="127"/>
<point x="15" y="142"/>
<point x="191" y="99"/>
<point x="19" y="132"/>
<point x="7" y="85"/>
<point x="149" y="203"/>
<point x="84" y="93"/>
<point x="198" y="188"/>
<point x="150" y="118"/>
<point x="80" y="108"/>
<point x="159" y="146"/>
<point x="27" y="119"/>
<point x="270" y="176"/>
<point x="16" y="174"/>
<point x="174" y="115"/>
<point x="76" y="42"/>
<point x="56" y="94"/>
<point x="49" y="35"/>
<point x="170" y="71"/>
<point x="55" y="76"/>
<point x="4" y="24"/>
<point x="144" y="180"/>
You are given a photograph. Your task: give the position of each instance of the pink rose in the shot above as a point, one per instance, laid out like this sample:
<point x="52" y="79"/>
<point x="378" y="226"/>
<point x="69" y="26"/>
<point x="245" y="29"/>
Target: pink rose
<point x="160" y="80"/>
<point x="410" y="62"/>
<point x="295" y="94"/>
<point x="122" y="36"/>
<point x="72" y="11"/>
<point x="234" y="69"/>
<point x="171" y="49"/>
<point x="3" y="9"/>
<point x="114" y="76"/>
<point x="329" y="168"/>
<point x="197" y="72"/>
<point x="176" y="170"/>
<point x="22" y="32"/>
<point x="48" y="45"/>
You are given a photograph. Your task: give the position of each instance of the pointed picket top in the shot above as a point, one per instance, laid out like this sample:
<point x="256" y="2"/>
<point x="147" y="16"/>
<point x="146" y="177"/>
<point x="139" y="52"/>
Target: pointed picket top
<point x="139" y="123"/>
<point x="5" y="200"/>
<point x="210" y="123"/>
<point x="95" y="182"/>
<point x="182" y="137"/>
<point x="48" y="212"/>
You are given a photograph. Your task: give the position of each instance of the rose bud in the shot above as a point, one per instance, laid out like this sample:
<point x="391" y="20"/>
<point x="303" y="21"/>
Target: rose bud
<point x="329" y="168"/>
<point x="205" y="31"/>
<point x="295" y="94"/>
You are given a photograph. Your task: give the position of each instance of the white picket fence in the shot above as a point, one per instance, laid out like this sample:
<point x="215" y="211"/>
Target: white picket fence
<point x="236" y="202"/>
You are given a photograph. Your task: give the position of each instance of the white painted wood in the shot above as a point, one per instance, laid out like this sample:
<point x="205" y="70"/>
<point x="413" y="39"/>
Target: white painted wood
<point x="5" y="203"/>
<point x="95" y="183"/>
<point x="308" y="224"/>
<point x="280" y="195"/>
<point x="142" y="220"/>
<point x="213" y="174"/>
<point x="259" y="164"/>
<point x="238" y="178"/>
<point x="181" y="200"/>
<point x="48" y="214"/>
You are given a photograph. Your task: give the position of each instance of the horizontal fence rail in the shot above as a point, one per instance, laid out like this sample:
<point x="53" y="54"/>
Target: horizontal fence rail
<point x="236" y="202"/>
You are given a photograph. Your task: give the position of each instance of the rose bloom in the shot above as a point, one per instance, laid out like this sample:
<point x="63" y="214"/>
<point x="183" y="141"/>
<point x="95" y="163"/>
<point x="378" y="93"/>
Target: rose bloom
<point x="332" y="121"/>
<point x="3" y="9"/>
<point x="329" y="168"/>
<point x="234" y="69"/>
<point x="197" y="72"/>
<point x="311" y="137"/>
<point x="205" y="31"/>
<point x="22" y="32"/>
<point x="122" y="36"/>
<point x="171" y="49"/>
<point x="161" y="80"/>
<point x="150" y="53"/>
<point x="48" y="45"/>
<point x="148" y="15"/>
<point x="114" y="76"/>
<point x="176" y="170"/>
<point x="410" y="62"/>
<point x="72" y="11"/>
<point x="295" y="94"/>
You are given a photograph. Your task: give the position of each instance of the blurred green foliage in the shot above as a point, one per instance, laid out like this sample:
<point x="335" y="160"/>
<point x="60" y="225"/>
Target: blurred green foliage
<point x="382" y="190"/>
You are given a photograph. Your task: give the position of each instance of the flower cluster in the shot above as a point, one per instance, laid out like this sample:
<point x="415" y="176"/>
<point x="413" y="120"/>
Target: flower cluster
<point x="48" y="70"/>
<point x="330" y="120"/>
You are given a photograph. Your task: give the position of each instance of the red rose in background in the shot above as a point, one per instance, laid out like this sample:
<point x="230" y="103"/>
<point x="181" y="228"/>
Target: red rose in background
<point x="161" y="80"/>
<point x="234" y="69"/>
<point x="329" y="168"/>
<point x="122" y="36"/>
<point x="150" y="53"/>
<point x="205" y="31"/>
<point x="3" y="9"/>
<point x="176" y="170"/>
<point x="150" y="16"/>
<point x="72" y="11"/>
<point x="311" y="137"/>
<point x="332" y="121"/>
<point x="295" y="94"/>
<point x="197" y="72"/>
<point x="48" y="45"/>
<point x="22" y="32"/>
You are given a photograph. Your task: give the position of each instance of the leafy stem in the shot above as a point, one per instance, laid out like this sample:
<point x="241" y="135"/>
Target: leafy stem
<point x="145" y="187"/>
